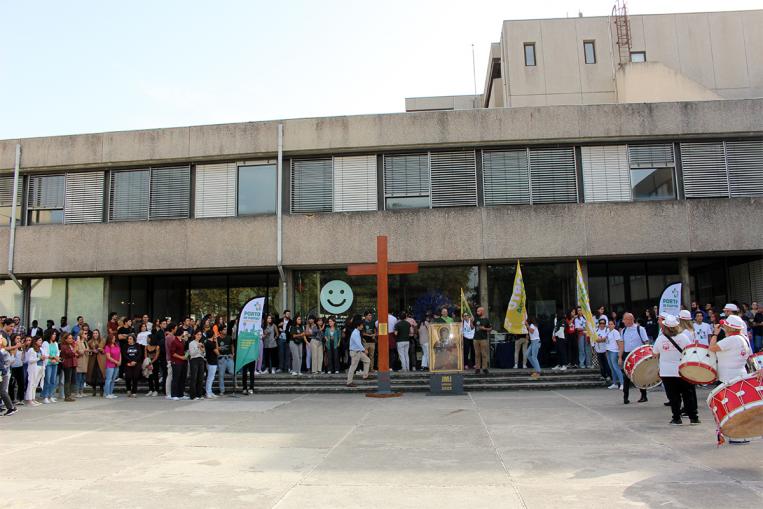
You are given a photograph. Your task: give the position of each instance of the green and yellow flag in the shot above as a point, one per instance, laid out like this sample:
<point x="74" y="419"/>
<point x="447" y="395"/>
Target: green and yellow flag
<point x="516" y="313"/>
<point x="465" y="306"/>
<point x="585" y="304"/>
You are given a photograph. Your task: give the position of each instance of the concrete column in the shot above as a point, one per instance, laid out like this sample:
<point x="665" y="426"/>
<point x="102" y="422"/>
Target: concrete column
<point x="683" y="271"/>
<point x="484" y="295"/>
<point x="289" y="289"/>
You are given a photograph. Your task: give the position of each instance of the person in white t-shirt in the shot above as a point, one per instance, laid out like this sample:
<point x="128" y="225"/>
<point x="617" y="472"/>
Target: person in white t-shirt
<point x="686" y="325"/>
<point x="732" y="351"/>
<point x="534" y="348"/>
<point x="600" y="348"/>
<point x="613" y="337"/>
<point x="702" y="330"/>
<point x="732" y="309"/>
<point x="676" y="388"/>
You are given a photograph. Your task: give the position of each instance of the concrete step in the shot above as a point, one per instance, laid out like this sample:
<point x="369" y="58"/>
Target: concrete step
<point x="365" y="387"/>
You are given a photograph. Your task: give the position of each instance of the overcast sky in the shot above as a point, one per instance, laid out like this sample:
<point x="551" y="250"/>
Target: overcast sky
<point x="73" y="66"/>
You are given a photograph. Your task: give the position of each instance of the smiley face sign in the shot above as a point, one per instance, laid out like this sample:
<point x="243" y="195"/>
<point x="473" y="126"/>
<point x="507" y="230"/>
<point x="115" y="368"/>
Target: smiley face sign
<point x="336" y="297"/>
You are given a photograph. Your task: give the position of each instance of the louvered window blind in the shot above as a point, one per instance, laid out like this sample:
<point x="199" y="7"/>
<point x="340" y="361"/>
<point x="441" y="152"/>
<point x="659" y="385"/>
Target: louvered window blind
<point x="745" y="167"/>
<point x="406" y="175"/>
<point x="704" y="170"/>
<point x="46" y="192"/>
<point x="156" y="193"/>
<point x="84" y="197"/>
<point x="312" y="185"/>
<point x="6" y="200"/>
<point x="129" y="195"/>
<point x="215" y="190"/>
<point x="553" y="177"/>
<point x="651" y="156"/>
<point x="505" y="177"/>
<point x="606" y="175"/>
<point x="454" y="179"/>
<point x="355" y="183"/>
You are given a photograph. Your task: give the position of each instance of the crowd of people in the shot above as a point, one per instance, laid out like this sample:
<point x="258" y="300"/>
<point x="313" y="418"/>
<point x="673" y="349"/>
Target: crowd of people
<point x="187" y="359"/>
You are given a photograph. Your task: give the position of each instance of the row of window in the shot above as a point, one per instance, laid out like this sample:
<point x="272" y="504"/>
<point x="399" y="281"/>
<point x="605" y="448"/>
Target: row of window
<point x="589" y="54"/>
<point x="427" y="179"/>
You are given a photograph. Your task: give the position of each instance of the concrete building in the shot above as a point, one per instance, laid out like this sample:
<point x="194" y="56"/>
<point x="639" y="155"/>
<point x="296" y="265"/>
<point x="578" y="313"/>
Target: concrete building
<point x="196" y="220"/>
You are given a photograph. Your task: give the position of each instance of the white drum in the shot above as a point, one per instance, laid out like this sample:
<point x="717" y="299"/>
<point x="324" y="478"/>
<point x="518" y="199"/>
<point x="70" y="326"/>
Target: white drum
<point x="698" y="364"/>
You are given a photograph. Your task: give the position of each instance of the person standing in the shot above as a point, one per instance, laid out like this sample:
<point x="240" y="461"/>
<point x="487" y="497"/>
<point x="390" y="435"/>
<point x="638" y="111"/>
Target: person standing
<point x="284" y="350"/>
<point x="369" y="335"/>
<point x="80" y="346"/>
<point x="212" y="353"/>
<point x="270" y="342"/>
<point x="153" y="351"/>
<point x="520" y="345"/>
<point x="632" y="337"/>
<point x="534" y="348"/>
<point x="424" y="341"/>
<point x="702" y="330"/>
<point x="333" y="338"/>
<point x="225" y="363"/>
<point x="113" y="360"/>
<point x="600" y="347"/>
<point x="560" y="341"/>
<point x="133" y="365"/>
<point x="69" y="357"/>
<point x="651" y="326"/>
<point x="668" y="347"/>
<point x="686" y="325"/>
<point x="35" y="370"/>
<point x="316" y="345"/>
<point x="197" y="360"/>
<point x="584" y="350"/>
<point x="467" y="331"/>
<point x="298" y="340"/>
<point x="482" y="329"/>
<point x="613" y="340"/>
<point x="572" y="341"/>
<point x="6" y="359"/>
<point x="18" y="368"/>
<point x="176" y="352"/>
<point x="357" y="353"/>
<point x="757" y="327"/>
<point x="732" y="351"/>
<point x="403" y="332"/>
<point x="51" y="358"/>
<point x="96" y="363"/>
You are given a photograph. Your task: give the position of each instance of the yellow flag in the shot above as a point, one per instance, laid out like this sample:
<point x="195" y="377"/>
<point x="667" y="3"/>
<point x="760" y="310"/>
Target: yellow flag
<point x="584" y="303"/>
<point x="465" y="305"/>
<point x="516" y="313"/>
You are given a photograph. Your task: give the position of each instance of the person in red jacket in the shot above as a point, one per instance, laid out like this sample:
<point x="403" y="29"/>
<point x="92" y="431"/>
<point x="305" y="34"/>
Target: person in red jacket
<point x="69" y="355"/>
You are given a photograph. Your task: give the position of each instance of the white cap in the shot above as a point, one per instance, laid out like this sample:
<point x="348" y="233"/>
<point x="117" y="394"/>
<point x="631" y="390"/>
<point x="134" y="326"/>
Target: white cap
<point x="684" y="314"/>
<point x="734" y="322"/>
<point x="731" y="307"/>
<point x="670" y="321"/>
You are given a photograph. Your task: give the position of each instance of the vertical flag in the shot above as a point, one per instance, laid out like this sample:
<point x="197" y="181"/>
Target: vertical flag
<point x="584" y="303"/>
<point x="249" y="331"/>
<point x="465" y="306"/>
<point x="516" y="313"/>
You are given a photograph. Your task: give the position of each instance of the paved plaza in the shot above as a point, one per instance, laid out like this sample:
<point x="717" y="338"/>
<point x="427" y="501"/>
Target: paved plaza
<point x="534" y="449"/>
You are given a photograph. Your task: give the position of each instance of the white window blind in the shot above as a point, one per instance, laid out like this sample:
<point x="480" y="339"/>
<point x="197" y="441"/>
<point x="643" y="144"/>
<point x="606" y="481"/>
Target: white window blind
<point x="745" y="167"/>
<point x="311" y="185"/>
<point x="651" y="156"/>
<point x="84" y="197"/>
<point x="129" y="195"/>
<point x="606" y="175"/>
<point x="704" y="170"/>
<point x="553" y="177"/>
<point x="6" y="200"/>
<point x="46" y="192"/>
<point x="170" y="193"/>
<point x="406" y="175"/>
<point x="454" y="179"/>
<point x="505" y="177"/>
<point x="355" y="183"/>
<point x="215" y="194"/>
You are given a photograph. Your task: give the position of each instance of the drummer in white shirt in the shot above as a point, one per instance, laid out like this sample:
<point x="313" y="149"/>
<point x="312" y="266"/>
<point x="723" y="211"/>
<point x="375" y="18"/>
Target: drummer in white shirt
<point x="676" y="388"/>
<point x="686" y="325"/>
<point x="732" y="353"/>
<point x="732" y="309"/>
<point x="702" y="330"/>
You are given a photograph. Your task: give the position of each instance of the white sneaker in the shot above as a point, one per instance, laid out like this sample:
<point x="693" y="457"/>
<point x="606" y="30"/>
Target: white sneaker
<point x="613" y="386"/>
<point x="210" y="396"/>
<point x="294" y="373"/>
<point x="555" y="368"/>
<point x="516" y="366"/>
<point x="185" y="397"/>
<point x="278" y="371"/>
<point x="563" y="368"/>
<point x="53" y="400"/>
<point x="273" y="371"/>
<point x="251" y="391"/>
<point x="175" y="398"/>
<point x="46" y="401"/>
<point x="621" y="387"/>
<point x="168" y="397"/>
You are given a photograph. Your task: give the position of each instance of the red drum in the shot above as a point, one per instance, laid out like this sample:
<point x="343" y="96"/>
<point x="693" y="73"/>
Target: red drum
<point x="698" y="364"/>
<point x="738" y="407"/>
<point x="643" y="368"/>
<point x="755" y="362"/>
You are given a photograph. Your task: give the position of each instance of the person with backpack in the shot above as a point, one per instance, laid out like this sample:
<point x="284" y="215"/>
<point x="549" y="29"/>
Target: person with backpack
<point x="633" y="336"/>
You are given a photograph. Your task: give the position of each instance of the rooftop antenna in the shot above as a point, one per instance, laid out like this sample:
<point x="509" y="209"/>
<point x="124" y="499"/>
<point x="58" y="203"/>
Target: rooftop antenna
<point x="474" y="76"/>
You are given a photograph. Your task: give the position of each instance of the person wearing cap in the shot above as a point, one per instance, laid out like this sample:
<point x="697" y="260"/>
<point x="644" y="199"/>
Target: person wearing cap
<point x="686" y="325"/>
<point x="732" y="351"/>
<point x="668" y="347"/>
<point x="732" y="309"/>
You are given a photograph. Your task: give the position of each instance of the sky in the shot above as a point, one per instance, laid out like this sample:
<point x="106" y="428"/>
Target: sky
<point x="76" y="66"/>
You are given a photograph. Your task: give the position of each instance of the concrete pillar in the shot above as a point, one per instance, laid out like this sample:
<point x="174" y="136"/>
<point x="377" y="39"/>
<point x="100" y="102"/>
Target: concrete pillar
<point x="683" y="271"/>
<point x="484" y="295"/>
<point x="289" y="299"/>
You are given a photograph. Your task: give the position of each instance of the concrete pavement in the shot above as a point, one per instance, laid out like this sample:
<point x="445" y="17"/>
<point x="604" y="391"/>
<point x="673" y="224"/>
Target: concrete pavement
<point x="534" y="449"/>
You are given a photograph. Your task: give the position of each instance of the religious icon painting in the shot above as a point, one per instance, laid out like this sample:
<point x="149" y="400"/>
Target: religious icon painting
<point x="445" y="347"/>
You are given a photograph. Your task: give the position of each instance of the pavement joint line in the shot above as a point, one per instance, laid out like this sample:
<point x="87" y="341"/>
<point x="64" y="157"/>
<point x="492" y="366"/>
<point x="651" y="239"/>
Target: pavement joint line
<point x="323" y="459"/>
<point x="498" y="454"/>
<point x="687" y="459"/>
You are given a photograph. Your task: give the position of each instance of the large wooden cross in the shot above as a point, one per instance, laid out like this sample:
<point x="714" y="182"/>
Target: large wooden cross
<point x="382" y="269"/>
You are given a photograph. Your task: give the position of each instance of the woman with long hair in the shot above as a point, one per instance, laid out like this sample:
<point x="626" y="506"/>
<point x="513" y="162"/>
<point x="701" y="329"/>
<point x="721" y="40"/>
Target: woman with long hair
<point x="51" y="358"/>
<point x="534" y="348"/>
<point x="113" y="360"/>
<point x="270" y="344"/>
<point x="572" y="342"/>
<point x="35" y="370"/>
<point x="96" y="362"/>
<point x="333" y="337"/>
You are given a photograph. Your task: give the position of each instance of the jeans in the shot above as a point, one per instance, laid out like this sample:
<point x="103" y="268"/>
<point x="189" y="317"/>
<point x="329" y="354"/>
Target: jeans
<point x="168" y="381"/>
<point x="757" y="342"/>
<point x="425" y="356"/>
<point x="225" y="365"/>
<point x="296" y="356"/>
<point x="584" y="352"/>
<point x="51" y="380"/>
<point x="284" y="355"/>
<point x="532" y="355"/>
<point x="4" y="396"/>
<point x="271" y="358"/>
<point x="211" y="371"/>
<point x="617" y="375"/>
<point x="111" y="376"/>
<point x="333" y="357"/>
<point x="402" y="352"/>
<point x="80" y="378"/>
<point x="247" y="374"/>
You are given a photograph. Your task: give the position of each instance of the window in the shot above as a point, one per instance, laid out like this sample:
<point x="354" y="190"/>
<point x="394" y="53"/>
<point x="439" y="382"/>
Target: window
<point x="505" y="177"/>
<point x="257" y="189"/>
<point x="155" y="193"/>
<point x="406" y="181"/>
<point x="84" y="197"/>
<point x="529" y="53"/>
<point x="638" y="56"/>
<point x="312" y="185"/>
<point x="45" y="199"/>
<point x="652" y="175"/>
<point x="589" y="50"/>
<point x="215" y="190"/>
<point x="605" y="173"/>
<point x="129" y="195"/>
<point x="6" y="201"/>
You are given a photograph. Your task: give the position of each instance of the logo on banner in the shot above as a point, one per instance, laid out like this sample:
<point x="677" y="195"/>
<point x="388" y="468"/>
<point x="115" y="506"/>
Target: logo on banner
<point x="336" y="297"/>
<point x="670" y="302"/>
